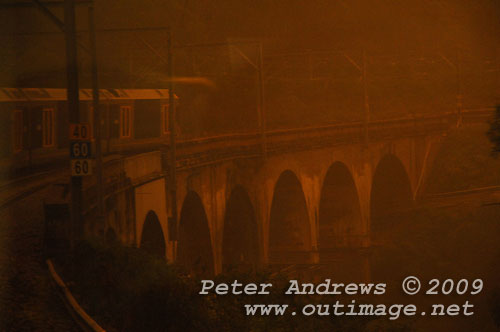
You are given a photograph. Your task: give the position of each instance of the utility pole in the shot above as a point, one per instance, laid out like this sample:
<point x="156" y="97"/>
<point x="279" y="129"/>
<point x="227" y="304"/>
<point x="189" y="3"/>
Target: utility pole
<point x="262" y="112"/>
<point x="459" y="89"/>
<point x="362" y="70"/>
<point x="497" y="74"/>
<point x="367" y="102"/>
<point x="76" y="229"/>
<point x="173" y="148"/>
<point x="497" y="58"/>
<point x="97" y="111"/>
<point x="458" y="70"/>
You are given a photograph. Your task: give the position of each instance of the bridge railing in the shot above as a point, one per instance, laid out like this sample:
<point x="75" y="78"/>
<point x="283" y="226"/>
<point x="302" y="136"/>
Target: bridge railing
<point x="202" y="151"/>
<point x="119" y="170"/>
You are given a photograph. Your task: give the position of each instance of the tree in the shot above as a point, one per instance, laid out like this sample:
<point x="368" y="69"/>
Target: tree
<point x="494" y="131"/>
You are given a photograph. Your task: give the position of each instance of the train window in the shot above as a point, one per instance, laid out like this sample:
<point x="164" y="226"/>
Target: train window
<point x="125" y="121"/>
<point x="164" y="118"/>
<point x="18" y="130"/>
<point x="48" y="127"/>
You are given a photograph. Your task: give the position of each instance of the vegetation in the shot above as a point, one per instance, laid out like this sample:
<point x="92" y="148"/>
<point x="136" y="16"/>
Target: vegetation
<point x="457" y="243"/>
<point x="494" y="132"/>
<point x="126" y="289"/>
<point x="464" y="161"/>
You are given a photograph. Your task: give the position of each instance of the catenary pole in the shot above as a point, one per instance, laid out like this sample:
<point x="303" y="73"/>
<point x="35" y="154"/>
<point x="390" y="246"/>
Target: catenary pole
<point x="76" y="227"/>
<point x="97" y="111"/>
<point x="172" y="129"/>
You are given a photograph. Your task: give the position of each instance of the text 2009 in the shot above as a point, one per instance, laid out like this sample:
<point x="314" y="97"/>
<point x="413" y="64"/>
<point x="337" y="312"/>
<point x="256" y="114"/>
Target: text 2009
<point x="460" y="287"/>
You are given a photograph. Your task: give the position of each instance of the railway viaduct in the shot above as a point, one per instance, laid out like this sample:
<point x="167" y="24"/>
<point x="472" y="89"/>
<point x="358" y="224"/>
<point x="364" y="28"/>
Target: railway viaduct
<point x="312" y="192"/>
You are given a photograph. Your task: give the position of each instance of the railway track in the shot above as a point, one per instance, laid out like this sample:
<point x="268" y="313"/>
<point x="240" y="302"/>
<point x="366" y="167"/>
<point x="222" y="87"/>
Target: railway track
<point x="28" y="301"/>
<point x="19" y="188"/>
<point x="473" y="197"/>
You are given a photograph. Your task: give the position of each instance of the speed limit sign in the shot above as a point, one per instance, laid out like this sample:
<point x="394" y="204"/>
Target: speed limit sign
<point x="81" y="167"/>
<point x="79" y="131"/>
<point x="80" y="150"/>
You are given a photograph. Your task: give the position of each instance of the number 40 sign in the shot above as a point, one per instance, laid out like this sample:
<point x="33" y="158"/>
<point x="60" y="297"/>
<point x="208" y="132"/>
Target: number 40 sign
<point x="79" y="131"/>
<point x="80" y="149"/>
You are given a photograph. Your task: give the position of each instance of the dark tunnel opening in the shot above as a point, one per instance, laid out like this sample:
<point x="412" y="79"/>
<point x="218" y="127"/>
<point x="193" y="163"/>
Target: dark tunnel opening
<point x="194" y="248"/>
<point x="152" y="240"/>
<point x="391" y="195"/>
<point x="339" y="209"/>
<point x="240" y="245"/>
<point x="289" y="230"/>
<point x="391" y="201"/>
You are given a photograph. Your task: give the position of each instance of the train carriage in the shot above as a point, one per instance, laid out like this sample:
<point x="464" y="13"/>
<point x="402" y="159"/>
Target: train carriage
<point x="34" y="122"/>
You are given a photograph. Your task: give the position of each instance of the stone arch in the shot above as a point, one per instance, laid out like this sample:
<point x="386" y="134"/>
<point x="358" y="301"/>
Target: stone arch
<point x="391" y="193"/>
<point x="240" y="243"/>
<point x="289" y="228"/>
<point x="152" y="238"/>
<point x="339" y="209"/>
<point x="194" y="248"/>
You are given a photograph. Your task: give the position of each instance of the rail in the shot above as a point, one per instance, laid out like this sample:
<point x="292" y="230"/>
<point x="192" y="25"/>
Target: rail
<point x="83" y="320"/>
